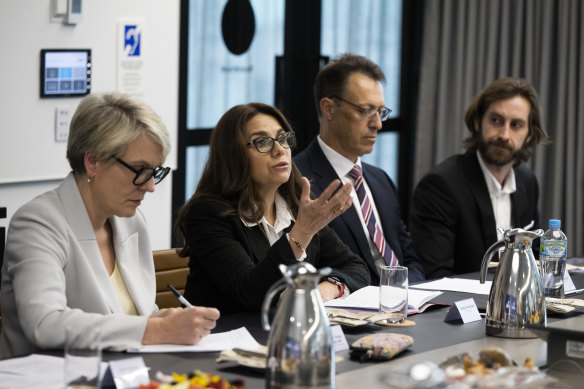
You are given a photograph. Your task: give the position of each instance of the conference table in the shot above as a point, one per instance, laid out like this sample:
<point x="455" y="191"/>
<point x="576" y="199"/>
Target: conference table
<point x="434" y="341"/>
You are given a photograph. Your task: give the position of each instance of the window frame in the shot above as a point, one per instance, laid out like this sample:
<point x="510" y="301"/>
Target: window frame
<point x="404" y="124"/>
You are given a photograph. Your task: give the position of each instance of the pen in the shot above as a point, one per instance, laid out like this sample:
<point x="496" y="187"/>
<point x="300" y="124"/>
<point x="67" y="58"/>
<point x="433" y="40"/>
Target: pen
<point x="179" y="296"/>
<point x="575" y="291"/>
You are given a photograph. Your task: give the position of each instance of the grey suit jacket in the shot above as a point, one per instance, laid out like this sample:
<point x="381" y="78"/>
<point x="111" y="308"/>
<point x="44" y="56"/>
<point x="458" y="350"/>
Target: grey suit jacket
<point x="53" y="275"/>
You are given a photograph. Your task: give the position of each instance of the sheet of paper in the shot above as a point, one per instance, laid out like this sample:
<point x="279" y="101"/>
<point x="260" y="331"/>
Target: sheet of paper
<point x="16" y="373"/>
<point x="47" y="372"/>
<point x="456" y="285"/>
<point x="576" y="264"/>
<point x="568" y="283"/>
<point x="367" y="298"/>
<point x="240" y="338"/>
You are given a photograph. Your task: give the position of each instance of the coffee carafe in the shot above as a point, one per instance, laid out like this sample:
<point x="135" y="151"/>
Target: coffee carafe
<point x="516" y="298"/>
<point x="300" y="346"/>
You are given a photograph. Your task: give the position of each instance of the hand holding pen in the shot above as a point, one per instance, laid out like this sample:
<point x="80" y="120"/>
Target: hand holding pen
<point x="178" y="325"/>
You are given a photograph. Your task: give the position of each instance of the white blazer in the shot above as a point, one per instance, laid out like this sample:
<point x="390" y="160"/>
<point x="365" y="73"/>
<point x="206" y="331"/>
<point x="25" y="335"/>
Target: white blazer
<point x="53" y="275"/>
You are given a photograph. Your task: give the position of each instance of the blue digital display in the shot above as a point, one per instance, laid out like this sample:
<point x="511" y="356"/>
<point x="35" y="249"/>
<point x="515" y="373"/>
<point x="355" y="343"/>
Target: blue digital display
<point x="65" y="72"/>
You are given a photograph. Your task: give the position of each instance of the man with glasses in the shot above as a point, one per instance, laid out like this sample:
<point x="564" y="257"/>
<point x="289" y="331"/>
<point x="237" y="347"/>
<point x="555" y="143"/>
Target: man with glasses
<point x="349" y="99"/>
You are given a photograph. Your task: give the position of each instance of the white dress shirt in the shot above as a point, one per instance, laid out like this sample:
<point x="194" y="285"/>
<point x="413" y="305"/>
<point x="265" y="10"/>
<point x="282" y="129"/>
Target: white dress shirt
<point x="283" y="220"/>
<point x="342" y="167"/>
<point x="500" y="196"/>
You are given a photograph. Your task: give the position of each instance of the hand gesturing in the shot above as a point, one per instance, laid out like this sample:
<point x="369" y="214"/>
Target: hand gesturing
<point x="313" y="215"/>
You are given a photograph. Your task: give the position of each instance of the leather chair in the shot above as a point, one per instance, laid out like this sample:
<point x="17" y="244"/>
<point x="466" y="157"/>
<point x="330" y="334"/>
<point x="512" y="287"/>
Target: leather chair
<point x="170" y="269"/>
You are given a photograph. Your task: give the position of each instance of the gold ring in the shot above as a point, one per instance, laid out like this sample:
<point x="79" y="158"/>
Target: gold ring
<point x="335" y="211"/>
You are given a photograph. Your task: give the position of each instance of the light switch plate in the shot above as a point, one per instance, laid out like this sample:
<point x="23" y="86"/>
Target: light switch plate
<point x="58" y="11"/>
<point x="62" y="121"/>
<point x="73" y="15"/>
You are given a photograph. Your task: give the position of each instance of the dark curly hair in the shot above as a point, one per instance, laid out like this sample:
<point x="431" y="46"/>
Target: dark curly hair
<point x="506" y="88"/>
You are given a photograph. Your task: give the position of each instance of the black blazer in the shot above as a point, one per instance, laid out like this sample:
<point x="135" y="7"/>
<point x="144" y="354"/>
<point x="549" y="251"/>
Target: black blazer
<point x="232" y="266"/>
<point x="315" y="166"/>
<point x="452" y="220"/>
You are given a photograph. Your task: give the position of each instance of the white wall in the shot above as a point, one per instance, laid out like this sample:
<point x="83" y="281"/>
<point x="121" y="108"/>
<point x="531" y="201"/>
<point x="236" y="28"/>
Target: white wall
<point x="25" y="28"/>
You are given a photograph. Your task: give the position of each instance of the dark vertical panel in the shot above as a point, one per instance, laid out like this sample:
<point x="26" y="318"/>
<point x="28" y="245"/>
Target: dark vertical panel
<point x="178" y="176"/>
<point x="411" y="46"/>
<point x="2" y="236"/>
<point x="298" y="67"/>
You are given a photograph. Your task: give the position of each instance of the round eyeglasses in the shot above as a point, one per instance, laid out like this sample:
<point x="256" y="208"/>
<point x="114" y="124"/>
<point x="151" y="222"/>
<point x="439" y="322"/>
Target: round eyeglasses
<point x="265" y="144"/>
<point x="146" y="173"/>
<point x="366" y="113"/>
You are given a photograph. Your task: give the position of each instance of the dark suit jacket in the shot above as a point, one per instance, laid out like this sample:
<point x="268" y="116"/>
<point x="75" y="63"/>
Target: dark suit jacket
<point x="232" y="266"/>
<point x="315" y="166"/>
<point x="452" y="220"/>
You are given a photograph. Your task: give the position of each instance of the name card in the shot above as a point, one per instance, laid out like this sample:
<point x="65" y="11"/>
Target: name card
<point x="463" y="310"/>
<point x="568" y="283"/>
<point x="339" y="339"/>
<point x="127" y="373"/>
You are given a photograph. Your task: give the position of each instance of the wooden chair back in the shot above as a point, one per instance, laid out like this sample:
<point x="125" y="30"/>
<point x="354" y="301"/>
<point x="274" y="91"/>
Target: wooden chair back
<point x="170" y="269"/>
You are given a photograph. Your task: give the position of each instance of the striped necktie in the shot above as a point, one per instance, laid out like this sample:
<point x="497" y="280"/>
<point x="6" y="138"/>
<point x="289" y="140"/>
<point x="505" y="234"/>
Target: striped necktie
<point x="369" y="217"/>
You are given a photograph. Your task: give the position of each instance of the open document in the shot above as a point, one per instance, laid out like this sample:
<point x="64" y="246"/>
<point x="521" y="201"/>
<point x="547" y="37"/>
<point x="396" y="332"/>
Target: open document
<point x="239" y="338"/>
<point x="367" y="298"/>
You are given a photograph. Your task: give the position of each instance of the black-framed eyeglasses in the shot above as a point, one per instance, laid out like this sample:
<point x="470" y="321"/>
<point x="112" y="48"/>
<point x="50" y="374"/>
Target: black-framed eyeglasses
<point x="146" y="173"/>
<point x="366" y="113"/>
<point x="265" y="144"/>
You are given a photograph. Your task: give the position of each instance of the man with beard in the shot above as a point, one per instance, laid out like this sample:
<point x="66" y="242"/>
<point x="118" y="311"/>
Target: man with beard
<point x="459" y="205"/>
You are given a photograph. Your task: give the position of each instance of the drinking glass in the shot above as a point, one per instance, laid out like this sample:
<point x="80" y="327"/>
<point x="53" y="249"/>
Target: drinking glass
<point x="552" y="276"/>
<point x="82" y="358"/>
<point x="393" y="293"/>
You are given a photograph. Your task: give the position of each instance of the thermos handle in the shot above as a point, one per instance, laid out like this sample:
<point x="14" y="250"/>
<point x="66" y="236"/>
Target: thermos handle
<point x="275" y="289"/>
<point x="495" y="247"/>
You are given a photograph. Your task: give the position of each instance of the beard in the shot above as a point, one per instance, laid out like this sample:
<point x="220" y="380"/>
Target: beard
<point x="497" y="152"/>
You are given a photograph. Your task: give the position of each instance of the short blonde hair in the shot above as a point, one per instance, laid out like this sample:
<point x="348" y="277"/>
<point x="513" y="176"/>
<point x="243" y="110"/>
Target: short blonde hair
<point x="104" y="124"/>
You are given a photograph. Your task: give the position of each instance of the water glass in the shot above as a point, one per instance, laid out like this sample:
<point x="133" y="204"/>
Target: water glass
<point x="552" y="276"/>
<point x="82" y="358"/>
<point x="393" y="293"/>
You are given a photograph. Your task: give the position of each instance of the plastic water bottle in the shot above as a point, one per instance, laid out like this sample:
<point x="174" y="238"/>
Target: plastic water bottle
<point x="553" y="251"/>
